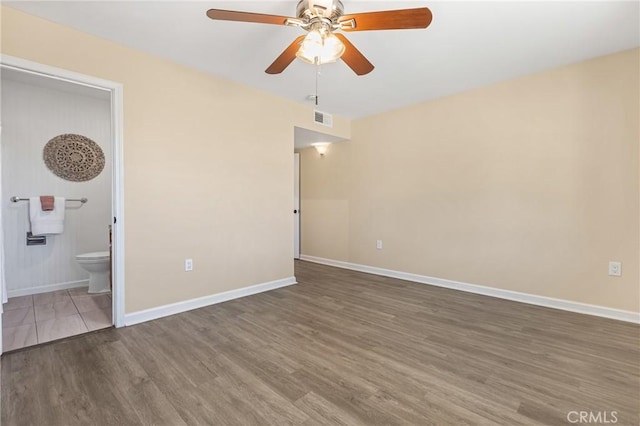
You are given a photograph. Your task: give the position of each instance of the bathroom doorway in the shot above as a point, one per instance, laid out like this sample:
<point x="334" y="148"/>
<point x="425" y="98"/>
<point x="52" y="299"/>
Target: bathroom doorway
<point x="62" y="137"/>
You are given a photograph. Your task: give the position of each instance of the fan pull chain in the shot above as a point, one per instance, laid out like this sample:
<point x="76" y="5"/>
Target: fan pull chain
<point x="317" y="77"/>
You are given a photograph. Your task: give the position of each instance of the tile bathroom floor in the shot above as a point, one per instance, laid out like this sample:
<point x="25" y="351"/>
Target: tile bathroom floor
<point x="39" y="318"/>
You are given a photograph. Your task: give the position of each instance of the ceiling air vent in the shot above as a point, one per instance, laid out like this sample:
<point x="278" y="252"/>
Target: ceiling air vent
<point x="323" y="118"/>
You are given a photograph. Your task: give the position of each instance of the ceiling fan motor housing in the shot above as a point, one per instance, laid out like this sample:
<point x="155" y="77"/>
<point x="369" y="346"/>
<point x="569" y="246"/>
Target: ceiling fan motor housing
<point x="328" y="9"/>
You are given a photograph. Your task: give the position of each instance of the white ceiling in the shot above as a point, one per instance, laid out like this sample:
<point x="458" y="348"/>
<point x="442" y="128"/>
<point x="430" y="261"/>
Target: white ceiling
<point x="304" y="138"/>
<point x="468" y="45"/>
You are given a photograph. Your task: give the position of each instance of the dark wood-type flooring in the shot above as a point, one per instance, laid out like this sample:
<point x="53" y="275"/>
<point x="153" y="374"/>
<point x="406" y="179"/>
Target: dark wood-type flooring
<point x="341" y="347"/>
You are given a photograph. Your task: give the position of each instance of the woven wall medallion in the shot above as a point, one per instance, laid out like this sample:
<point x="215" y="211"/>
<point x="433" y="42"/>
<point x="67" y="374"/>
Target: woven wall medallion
<point x="74" y="157"/>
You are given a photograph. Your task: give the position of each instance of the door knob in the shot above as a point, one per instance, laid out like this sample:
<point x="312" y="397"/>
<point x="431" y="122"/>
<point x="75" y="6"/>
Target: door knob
<point x="295" y="211"/>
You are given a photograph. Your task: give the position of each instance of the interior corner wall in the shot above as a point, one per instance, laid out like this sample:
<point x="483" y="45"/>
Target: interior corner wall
<point x="199" y="182"/>
<point x="530" y="185"/>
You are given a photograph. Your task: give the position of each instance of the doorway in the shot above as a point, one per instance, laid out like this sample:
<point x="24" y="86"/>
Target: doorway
<point x="303" y="140"/>
<point x="85" y="304"/>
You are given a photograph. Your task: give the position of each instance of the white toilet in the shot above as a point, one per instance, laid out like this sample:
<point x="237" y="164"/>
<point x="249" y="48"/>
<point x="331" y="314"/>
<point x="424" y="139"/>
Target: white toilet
<point x="98" y="266"/>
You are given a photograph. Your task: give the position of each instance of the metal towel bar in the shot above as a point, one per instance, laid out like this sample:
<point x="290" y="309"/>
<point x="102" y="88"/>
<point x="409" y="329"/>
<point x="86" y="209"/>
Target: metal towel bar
<point x="82" y="200"/>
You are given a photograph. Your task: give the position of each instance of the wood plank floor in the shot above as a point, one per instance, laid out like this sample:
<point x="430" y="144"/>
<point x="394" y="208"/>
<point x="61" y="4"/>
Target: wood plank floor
<point x="342" y="348"/>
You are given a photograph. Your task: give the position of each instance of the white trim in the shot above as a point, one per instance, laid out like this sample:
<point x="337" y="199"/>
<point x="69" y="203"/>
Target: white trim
<point x="47" y="288"/>
<point x="296" y="205"/>
<point x="117" y="197"/>
<point x="200" y="302"/>
<point x="36" y="68"/>
<point x="531" y="299"/>
<point x="117" y="114"/>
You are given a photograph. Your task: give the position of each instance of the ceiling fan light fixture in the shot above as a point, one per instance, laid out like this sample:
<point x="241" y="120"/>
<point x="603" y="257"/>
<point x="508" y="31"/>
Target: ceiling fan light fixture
<point x="319" y="48"/>
<point x="333" y="48"/>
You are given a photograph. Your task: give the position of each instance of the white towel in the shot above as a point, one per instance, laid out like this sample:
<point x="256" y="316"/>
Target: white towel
<point x="46" y="223"/>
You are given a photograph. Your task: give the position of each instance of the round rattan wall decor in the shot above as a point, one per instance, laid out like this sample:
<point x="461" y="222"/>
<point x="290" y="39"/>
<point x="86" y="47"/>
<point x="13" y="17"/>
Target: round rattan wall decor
<point x="74" y="157"/>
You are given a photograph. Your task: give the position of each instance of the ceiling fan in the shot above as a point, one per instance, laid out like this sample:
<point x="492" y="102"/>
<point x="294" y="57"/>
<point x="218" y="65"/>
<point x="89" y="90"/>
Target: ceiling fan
<point x="321" y="19"/>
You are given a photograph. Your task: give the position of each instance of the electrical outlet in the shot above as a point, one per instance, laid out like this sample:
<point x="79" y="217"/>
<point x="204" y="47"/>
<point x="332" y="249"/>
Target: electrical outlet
<point x="379" y="244"/>
<point x="188" y="265"/>
<point x="615" y="269"/>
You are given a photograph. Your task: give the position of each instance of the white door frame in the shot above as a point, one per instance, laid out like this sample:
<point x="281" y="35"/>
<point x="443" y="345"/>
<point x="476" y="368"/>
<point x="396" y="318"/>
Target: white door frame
<point x="117" y="187"/>
<point x="296" y="205"/>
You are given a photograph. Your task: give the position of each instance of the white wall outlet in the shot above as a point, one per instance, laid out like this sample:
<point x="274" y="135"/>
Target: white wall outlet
<point x="379" y="244"/>
<point x="615" y="269"/>
<point x="188" y="265"/>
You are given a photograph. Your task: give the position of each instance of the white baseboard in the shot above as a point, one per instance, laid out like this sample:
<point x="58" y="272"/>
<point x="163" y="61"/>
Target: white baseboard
<point x="532" y="299"/>
<point x="47" y="288"/>
<point x="200" y="302"/>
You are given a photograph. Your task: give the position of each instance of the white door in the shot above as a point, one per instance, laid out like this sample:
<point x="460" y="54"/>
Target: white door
<point x="2" y="283"/>
<point x="296" y="206"/>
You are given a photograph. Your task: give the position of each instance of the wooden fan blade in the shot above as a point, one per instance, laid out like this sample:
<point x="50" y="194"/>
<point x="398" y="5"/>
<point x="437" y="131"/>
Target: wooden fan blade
<point x="285" y="57"/>
<point x="352" y="57"/>
<point x="230" y="15"/>
<point x="387" y="20"/>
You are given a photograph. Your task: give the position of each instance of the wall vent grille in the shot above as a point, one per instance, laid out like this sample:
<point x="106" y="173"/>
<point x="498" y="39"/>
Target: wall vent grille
<point x="323" y="118"/>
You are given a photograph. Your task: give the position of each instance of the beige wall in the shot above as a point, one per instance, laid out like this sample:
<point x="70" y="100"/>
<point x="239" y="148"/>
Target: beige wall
<point x="529" y="185"/>
<point x="208" y="166"/>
